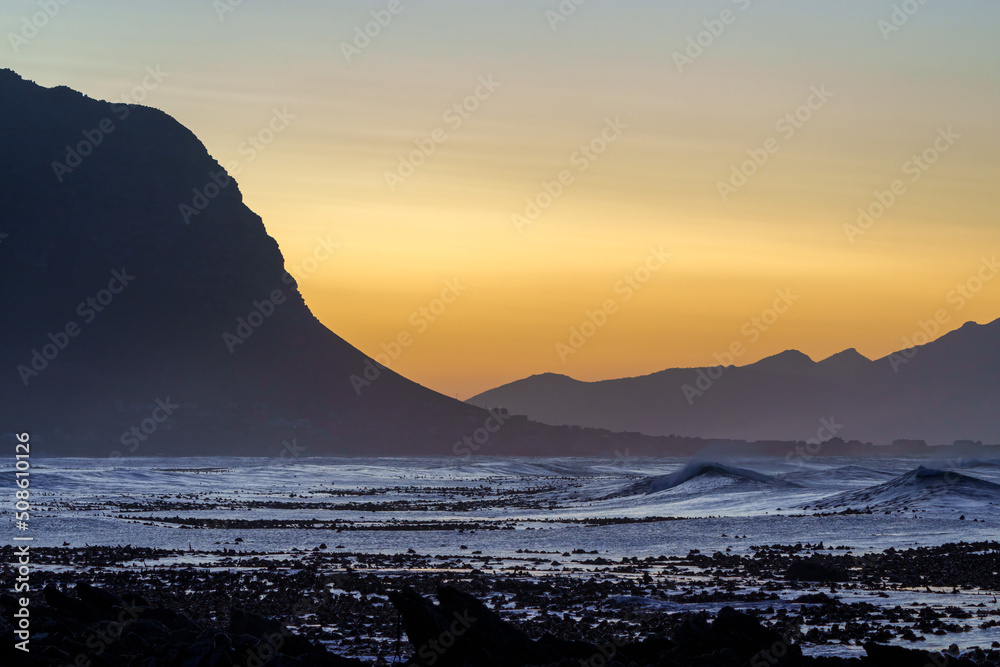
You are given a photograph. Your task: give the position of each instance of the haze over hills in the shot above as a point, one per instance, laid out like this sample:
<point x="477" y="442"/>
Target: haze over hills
<point x="146" y="310"/>
<point x="945" y="390"/>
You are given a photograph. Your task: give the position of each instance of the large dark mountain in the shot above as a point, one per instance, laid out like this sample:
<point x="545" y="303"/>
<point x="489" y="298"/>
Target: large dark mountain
<point x="945" y="390"/>
<point x="116" y="302"/>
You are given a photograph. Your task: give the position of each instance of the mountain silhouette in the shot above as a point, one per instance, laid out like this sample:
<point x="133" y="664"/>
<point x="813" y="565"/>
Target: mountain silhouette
<point x="146" y="310"/>
<point x="940" y="392"/>
<point x="850" y="360"/>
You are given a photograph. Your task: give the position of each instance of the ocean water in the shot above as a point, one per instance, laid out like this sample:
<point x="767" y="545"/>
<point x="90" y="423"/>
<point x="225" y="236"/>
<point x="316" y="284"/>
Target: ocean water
<point x="533" y="517"/>
<point x="499" y="505"/>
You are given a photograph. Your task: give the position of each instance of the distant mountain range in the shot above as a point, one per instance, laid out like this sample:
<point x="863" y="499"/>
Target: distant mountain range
<point x="943" y="391"/>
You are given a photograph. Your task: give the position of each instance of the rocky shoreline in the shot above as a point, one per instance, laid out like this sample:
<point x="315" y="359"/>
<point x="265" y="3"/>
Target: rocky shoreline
<point x="810" y="603"/>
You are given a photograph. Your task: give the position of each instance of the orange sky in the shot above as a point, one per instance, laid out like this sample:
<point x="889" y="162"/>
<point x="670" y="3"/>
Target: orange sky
<point x="661" y="138"/>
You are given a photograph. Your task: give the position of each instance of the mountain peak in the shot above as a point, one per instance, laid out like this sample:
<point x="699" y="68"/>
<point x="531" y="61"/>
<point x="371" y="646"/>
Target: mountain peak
<point x="789" y="361"/>
<point x="552" y="376"/>
<point x="10" y="80"/>
<point x="849" y="359"/>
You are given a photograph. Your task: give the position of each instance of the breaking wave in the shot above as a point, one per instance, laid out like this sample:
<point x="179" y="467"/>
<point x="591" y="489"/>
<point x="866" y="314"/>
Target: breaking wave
<point x="919" y="485"/>
<point x="703" y="470"/>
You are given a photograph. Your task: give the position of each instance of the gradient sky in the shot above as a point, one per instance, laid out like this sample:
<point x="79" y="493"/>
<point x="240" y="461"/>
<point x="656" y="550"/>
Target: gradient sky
<point x="656" y="186"/>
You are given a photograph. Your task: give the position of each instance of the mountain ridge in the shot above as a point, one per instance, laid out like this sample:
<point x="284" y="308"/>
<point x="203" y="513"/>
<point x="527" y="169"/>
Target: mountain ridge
<point x="941" y="391"/>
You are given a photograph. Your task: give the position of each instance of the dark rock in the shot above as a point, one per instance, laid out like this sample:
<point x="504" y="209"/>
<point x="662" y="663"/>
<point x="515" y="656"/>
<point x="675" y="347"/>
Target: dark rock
<point x="58" y="600"/>
<point x="101" y="629"/>
<point x="100" y="599"/>
<point x="810" y="570"/>
<point x="816" y="598"/>
<point x="461" y="631"/>
<point x="898" y="656"/>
